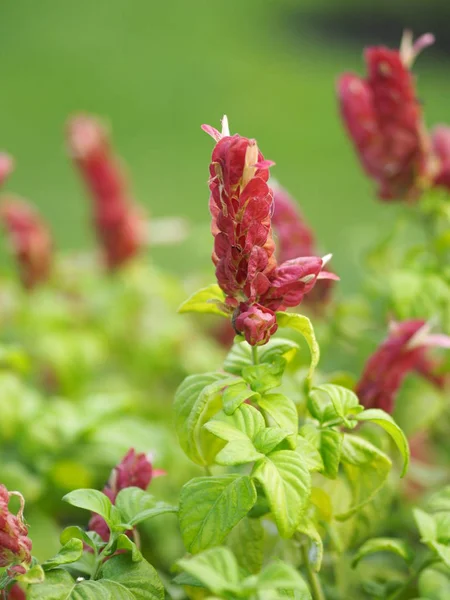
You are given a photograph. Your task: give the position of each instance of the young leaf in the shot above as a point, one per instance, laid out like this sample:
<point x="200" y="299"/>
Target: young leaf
<point x="329" y="402"/>
<point x="268" y="439"/>
<point x="265" y="376"/>
<point x="211" y="506"/>
<point x="309" y="453"/>
<point x="434" y="585"/>
<point x="76" y="532"/>
<point x="69" y="553"/>
<point x="282" y="577"/>
<point x="91" y="500"/>
<point x="139" y="579"/>
<point x="330" y="451"/>
<point x="426" y="525"/>
<point x="238" y="430"/>
<point x="206" y="300"/>
<point x="303" y="325"/>
<point x="282" y="410"/>
<point x="135" y="505"/>
<point x="123" y="542"/>
<point x="197" y="400"/>
<point x="35" y="574"/>
<point x="240" y="355"/>
<point x="246" y="541"/>
<point x="216" y="569"/>
<point x="440" y="500"/>
<point x="391" y="545"/>
<point x="287" y="485"/>
<point x="366" y="468"/>
<point x="384" y="420"/>
<point x="235" y="395"/>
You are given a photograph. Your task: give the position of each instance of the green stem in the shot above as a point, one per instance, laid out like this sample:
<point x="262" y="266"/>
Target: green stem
<point x="314" y="583"/>
<point x="208" y="471"/>
<point x="255" y="355"/>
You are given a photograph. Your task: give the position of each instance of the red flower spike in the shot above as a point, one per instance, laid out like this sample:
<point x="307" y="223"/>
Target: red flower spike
<point x="404" y="351"/>
<point x="15" y="545"/>
<point x="241" y="205"/>
<point x="384" y="119"/>
<point x="6" y="166"/>
<point x="119" y="223"/>
<point x="440" y="141"/>
<point x="134" y="470"/>
<point x="30" y="240"/>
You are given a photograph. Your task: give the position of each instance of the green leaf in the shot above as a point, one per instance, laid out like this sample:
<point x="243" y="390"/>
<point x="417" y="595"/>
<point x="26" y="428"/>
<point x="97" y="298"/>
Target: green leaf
<point x="268" y="439"/>
<point x="281" y="576"/>
<point x="303" y="325"/>
<point x="366" y="468"/>
<point x="246" y="541"/>
<point x="76" y="532"/>
<point x="309" y="453"/>
<point x="426" y="525"/>
<point x="381" y="418"/>
<point x="440" y="500"/>
<point x="238" y="430"/>
<point x="328" y="444"/>
<point x="216" y="569"/>
<point x="235" y="395"/>
<point x="240" y="355"/>
<point x="134" y="580"/>
<point x="315" y="554"/>
<point x="265" y="376"/>
<point x="330" y="402"/>
<point x="136" y="505"/>
<point x="211" y="506"/>
<point x="391" y="545"/>
<point x="58" y="585"/>
<point x="210" y="300"/>
<point x="123" y="542"/>
<point x="69" y="553"/>
<point x="331" y="451"/>
<point x="91" y="500"/>
<point x="282" y="410"/>
<point x="434" y="585"/>
<point x="197" y="400"/>
<point x="35" y="574"/>
<point x="287" y="485"/>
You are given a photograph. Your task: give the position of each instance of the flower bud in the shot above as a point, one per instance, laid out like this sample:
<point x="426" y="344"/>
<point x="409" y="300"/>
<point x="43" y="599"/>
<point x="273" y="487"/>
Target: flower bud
<point x="30" y="240"/>
<point x="15" y="545"/>
<point x="440" y="140"/>
<point x="256" y="323"/>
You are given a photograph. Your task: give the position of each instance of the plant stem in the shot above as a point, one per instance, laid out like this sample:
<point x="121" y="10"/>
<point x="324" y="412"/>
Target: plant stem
<point x="208" y="471"/>
<point x="136" y="538"/>
<point x="255" y="355"/>
<point x="314" y="583"/>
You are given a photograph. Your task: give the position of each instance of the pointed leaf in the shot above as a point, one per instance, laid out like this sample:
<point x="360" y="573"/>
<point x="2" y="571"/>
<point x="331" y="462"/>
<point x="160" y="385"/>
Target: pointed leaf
<point x="69" y="553"/>
<point x="240" y="355"/>
<point x="268" y="439"/>
<point x="366" y="468"/>
<point x="235" y="395"/>
<point x="197" y="400"/>
<point x="210" y="300"/>
<point x="303" y="325"/>
<point x="282" y="410"/>
<point x="384" y="420"/>
<point x="265" y="376"/>
<point x="211" y="506"/>
<point x="134" y="580"/>
<point x="135" y="505"/>
<point x="287" y="485"/>
<point x="281" y="576"/>
<point x="217" y="569"/>
<point x="246" y="541"/>
<point x="391" y="545"/>
<point x="329" y="402"/>
<point x="91" y="500"/>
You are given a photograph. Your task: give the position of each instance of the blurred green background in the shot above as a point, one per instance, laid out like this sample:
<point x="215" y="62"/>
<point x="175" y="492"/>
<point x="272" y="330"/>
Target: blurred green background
<point x="158" y="70"/>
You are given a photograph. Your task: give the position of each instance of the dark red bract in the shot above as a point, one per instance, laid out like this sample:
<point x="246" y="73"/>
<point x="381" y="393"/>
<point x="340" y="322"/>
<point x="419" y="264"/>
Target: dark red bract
<point x="404" y="351"/>
<point x="30" y="240"/>
<point x="119" y="223"/>
<point x="384" y="120"/>
<point x="15" y="545"/>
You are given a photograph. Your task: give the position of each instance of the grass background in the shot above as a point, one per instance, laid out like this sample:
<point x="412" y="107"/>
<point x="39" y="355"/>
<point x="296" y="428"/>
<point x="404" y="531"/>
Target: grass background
<point x="157" y="70"/>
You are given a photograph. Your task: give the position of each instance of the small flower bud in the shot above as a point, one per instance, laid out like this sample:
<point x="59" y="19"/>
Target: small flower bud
<point x="256" y="323"/>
